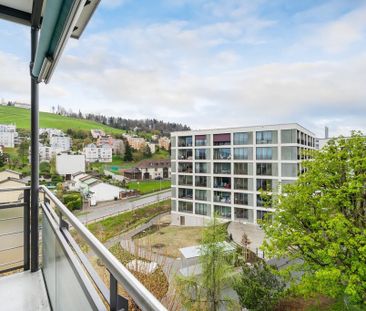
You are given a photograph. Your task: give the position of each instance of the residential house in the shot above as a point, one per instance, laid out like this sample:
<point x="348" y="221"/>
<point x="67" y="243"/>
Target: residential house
<point x="62" y="142"/>
<point x="8" y="135"/>
<point x="51" y="132"/>
<point x="11" y="179"/>
<point x="68" y="164"/>
<point x="98" y="154"/>
<point x="118" y="147"/>
<point x="105" y="140"/>
<point x="164" y="142"/>
<point x="149" y="169"/>
<point x="96" y="133"/>
<point x="4" y="175"/>
<point x="136" y="143"/>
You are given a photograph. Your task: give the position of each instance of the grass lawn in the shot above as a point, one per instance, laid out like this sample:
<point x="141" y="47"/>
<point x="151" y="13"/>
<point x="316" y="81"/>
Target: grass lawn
<point x="112" y="226"/>
<point x="169" y="239"/>
<point x="161" y="155"/>
<point x="149" y="186"/>
<point x="21" y="117"/>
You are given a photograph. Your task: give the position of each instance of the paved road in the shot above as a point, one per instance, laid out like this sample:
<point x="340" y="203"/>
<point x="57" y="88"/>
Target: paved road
<point x="114" y="207"/>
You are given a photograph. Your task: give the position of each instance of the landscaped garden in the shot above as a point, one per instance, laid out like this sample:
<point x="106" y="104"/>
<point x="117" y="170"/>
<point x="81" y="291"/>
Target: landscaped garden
<point x="148" y="186"/>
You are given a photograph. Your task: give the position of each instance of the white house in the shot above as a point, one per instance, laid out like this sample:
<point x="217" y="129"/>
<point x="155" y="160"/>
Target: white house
<point x="46" y="153"/>
<point x="8" y="135"/>
<point x="50" y="132"/>
<point x="100" y="192"/>
<point x="98" y="154"/>
<point x="62" y="142"/>
<point x="68" y="164"/>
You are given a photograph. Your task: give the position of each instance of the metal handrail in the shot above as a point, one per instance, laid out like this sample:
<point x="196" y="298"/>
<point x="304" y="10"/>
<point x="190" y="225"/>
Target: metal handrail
<point x="138" y="292"/>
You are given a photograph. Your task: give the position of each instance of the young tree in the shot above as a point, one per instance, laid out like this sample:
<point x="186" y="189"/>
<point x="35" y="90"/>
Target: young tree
<point x="147" y="151"/>
<point x="204" y="291"/>
<point x="258" y="287"/>
<point x="128" y="153"/>
<point x="23" y="151"/>
<point x="320" y="221"/>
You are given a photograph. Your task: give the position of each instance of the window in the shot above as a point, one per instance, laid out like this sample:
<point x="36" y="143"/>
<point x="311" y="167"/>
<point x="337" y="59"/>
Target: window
<point x="266" y="137"/>
<point x="185" y="207"/>
<point x="223" y="197"/>
<point x="184" y="193"/>
<point x="241" y="183"/>
<point x="201" y="181"/>
<point x="201" y="140"/>
<point x="222" y="182"/>
<point x="222" y="139"/>
<point x="185" y="154"/>
<point x="243" y="168"/>
<point x="245" y="138"/>
<point x="267" y="169"/>
<point x="241" y="213"/>
<point x="245" y="153"/>
<point x="288" y="136"/>
<point x="241" y="198"/>
<point x="185" y="167"/>
<point x="289" y="153"/>
<point x="222" y="154"/>
<point x="201" y="195"/>
<point x="201" y="154"/>
<point x="202" y="209"/>
<point x="266" y="153"/>
<point x="185" y="141"/>
<point x="222" y="168"/>
<point x="261" y="215"/>
<point x="185" y="180"/>
<point x="289" y="169"/>
<point x="201" y="168"/>
<point x="264" y="184"/>
<point x="223" y="211"/>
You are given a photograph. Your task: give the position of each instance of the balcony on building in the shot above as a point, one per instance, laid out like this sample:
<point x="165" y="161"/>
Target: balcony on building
<point x="201" y="140"/>
<point x="185" y="168"/>
<point x="185" y="180"/>
<point x="202" y="154"/>
<point x="243" y="214"/>
<point x="222" y="182"/>
<point x="222" y="168"/>
<point x="222" y="197"/>
<point x="185" y="193"/>
<point x="222" y="154"/>
<point x="202" y="181"/>
<point x="223" y="211"/>
<point x="185" y="154"/>
<point x="222" y="139"/>
<point x="185" y="141"/>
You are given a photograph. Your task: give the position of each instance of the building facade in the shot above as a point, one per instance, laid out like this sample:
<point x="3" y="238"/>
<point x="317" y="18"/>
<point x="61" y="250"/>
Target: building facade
<point x="62" y="142"/>
<point x="8" y="135"/>
<point x="224" y="171"/>
<point x="164" y="142"/>
<point x="98" y="154"/>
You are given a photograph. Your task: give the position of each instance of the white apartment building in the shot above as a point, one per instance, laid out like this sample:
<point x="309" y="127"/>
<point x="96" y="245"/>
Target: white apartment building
<point x="8" y="135"/>
<point x="51" y="132"/>
<point x="46" y="153"/>
<point x="62" y="142"/>
<point x="224" y="171"/>
<point x="98" y="154"/>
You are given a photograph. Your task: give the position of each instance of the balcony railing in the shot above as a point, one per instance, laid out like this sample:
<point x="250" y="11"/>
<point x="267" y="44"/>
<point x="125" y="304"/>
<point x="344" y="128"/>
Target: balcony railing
<point x="70" y="279"/>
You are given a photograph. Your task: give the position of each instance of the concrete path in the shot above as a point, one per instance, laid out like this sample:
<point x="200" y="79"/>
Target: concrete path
<point x="254" y="233"/>
<point x="106" y="209"/>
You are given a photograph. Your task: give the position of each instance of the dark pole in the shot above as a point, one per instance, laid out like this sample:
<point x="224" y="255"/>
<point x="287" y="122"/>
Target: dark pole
<point x="34" y="155"/>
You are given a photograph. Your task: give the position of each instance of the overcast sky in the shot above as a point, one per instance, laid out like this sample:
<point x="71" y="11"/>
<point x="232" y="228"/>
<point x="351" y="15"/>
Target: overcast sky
<point x="208" y="63"/>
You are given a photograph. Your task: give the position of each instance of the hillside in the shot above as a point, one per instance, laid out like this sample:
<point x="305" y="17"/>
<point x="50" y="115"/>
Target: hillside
<point x="21" y="117"/>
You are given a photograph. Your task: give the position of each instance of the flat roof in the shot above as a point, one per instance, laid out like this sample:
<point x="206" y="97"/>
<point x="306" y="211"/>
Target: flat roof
<point x="237" y="128"/>
<point x="195" y="251"/>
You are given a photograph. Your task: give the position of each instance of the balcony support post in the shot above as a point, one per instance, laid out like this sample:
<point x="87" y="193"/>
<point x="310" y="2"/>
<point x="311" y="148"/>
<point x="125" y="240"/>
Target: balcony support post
<point x="34" y="155"/>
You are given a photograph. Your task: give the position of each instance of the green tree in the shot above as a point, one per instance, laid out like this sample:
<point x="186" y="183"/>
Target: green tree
<point x="258" y="287"/>
<point x="147" y="151"/>
<point x="23" y="151"/>
<point x="204" y="291"/>
<point x="128" y="153"/>
<point x="320" y="222"/>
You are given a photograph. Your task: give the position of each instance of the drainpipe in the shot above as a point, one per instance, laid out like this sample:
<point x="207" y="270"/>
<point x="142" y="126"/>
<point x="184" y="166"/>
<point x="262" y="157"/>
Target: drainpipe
<point x="34" y="155"/>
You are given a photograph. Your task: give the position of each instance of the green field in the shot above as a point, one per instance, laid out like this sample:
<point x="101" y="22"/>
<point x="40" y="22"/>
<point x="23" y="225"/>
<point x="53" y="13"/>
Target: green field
<point x="21" y="117"/>
<point x="149" y="186"/>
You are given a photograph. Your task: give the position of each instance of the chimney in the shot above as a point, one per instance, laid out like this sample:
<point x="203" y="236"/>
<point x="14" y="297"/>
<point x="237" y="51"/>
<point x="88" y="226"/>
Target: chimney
<point x="326" y="132"/>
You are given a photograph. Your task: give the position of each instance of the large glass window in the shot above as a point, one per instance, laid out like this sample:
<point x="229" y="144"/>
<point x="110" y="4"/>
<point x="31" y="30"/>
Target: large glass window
<point x="289" y="136"/>
<point x="222" y="139"/>
<point x="223" y="211"/>
<point x="245" y="138"/>
<point x="201" y="140"/>
<point x="241" y="198"/>
<point x="267" y="169"/>
<point x="185" y="207"/>
<point x="222" y="196"/>
<point x="289" y="153"/>
<point x="243" y="213"/>
<point x="185" y="180"/>
<point x="185" y="141"/>
<point x="201" y="195"/>
<point x="244" y="153"/>
<point x="185" y="154"/>
<point x="242" y="183"/>
<point x="202" y="154"/>
<point x="289" y="169"/>
<point x="185" y="167"/>
<point x="266" y="153"/>
<point x="222" y="182"/>
<point x="184" y="193"/>
<point x="266" y="137"/>
<point x="222" y="154"/>
<point x="222" y="168"/>
<point x="202" y="181"/>
<point x="202" y="168"/>
<point x="264" y="184"/>
<point x="243" y="168"/>
<point x="202" y="209"/>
